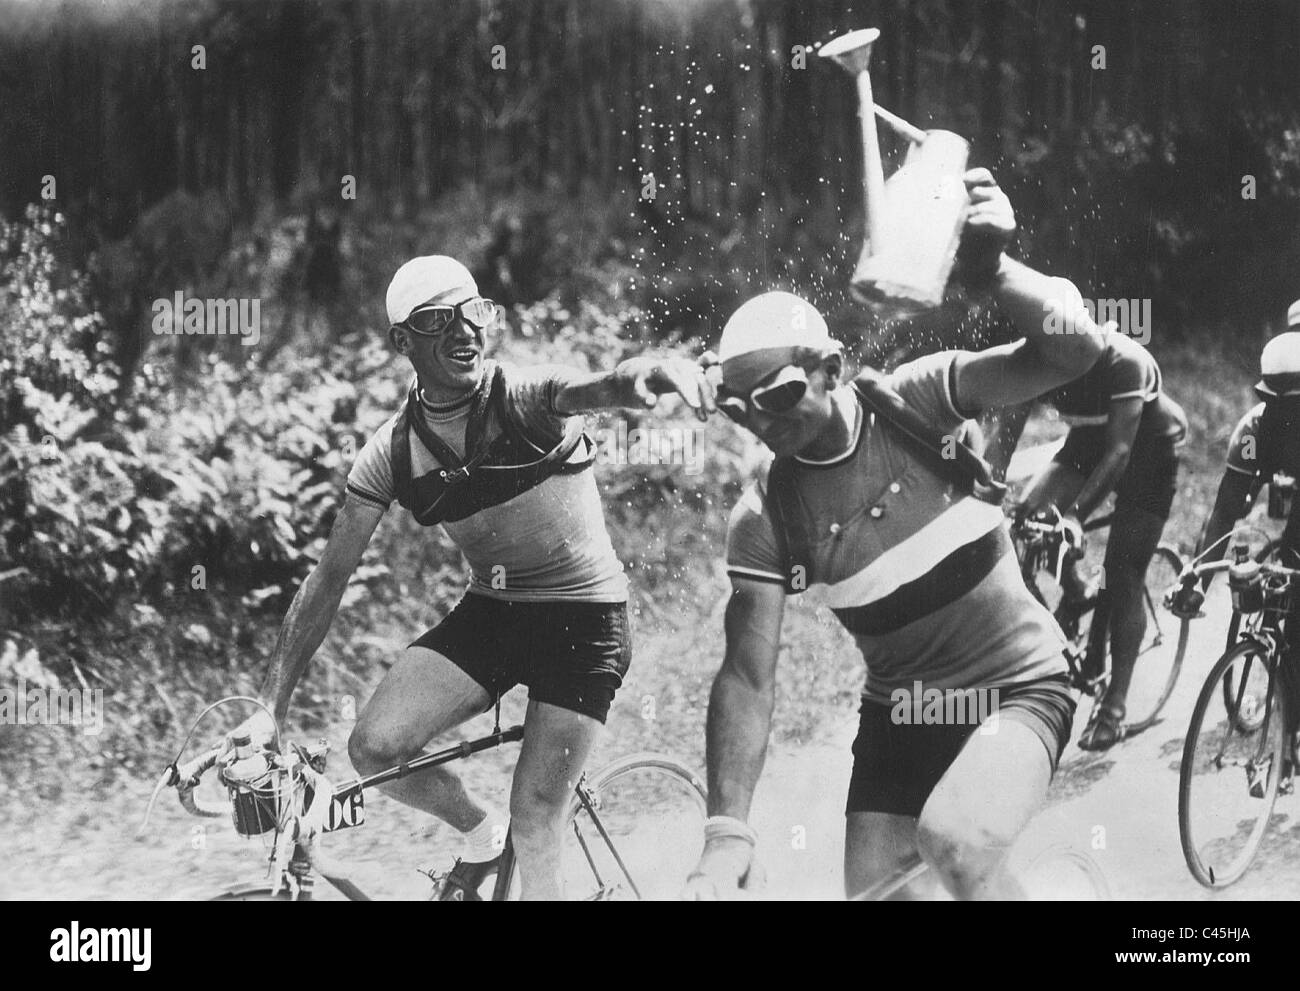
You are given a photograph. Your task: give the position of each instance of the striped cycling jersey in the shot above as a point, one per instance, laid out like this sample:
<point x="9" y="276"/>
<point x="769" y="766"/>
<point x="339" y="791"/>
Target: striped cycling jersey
<point x="924" y="577"/>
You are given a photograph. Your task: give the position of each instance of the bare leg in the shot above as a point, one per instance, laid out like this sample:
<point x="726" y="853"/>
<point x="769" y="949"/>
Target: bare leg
<point x="1134" y="537"/>
<point x="979" y="807"/>
<point x="556" y="745"/>
<point x="876" y="846"/>
<point x="423" y="694"/>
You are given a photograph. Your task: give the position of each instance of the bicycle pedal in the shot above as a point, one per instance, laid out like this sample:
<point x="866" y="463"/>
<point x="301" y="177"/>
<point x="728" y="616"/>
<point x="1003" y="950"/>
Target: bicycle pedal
<point x="1257" y="779"/>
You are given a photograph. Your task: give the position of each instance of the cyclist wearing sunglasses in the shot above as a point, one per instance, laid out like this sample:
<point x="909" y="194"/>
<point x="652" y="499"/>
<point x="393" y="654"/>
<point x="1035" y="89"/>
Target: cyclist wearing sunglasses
<point x="496" y="456"/>
<point x="922" y="574"/>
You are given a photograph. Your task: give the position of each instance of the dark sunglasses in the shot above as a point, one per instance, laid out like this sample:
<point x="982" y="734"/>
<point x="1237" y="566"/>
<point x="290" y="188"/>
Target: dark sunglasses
<point x="779" y="395"/>
<point x="432" y="320"/>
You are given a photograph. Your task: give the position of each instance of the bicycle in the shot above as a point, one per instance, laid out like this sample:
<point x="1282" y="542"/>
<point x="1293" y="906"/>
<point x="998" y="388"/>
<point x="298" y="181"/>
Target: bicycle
<point x="1058" y="873"/>
<point x="622" y="820"/>
<point x="1238" y="755"/>
<point x="1041" y="547"/>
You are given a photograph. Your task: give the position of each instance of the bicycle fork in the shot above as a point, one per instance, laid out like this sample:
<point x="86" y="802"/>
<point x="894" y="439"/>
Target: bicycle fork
<point x="1260" y="765"/>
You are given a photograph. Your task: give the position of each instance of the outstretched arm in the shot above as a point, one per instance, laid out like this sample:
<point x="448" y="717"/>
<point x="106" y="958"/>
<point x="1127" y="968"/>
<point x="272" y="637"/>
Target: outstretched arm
<point x="639" y="382"/>
<point x="1059" y="341"/>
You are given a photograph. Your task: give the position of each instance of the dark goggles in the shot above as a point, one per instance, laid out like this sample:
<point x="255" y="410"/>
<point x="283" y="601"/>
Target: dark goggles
<point x="432" y="320"/>
<point x="780" y="394"/>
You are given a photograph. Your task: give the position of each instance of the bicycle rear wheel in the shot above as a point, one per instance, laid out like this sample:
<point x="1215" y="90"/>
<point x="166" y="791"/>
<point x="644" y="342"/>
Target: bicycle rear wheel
<point x="1164" y="644"/>
<point x="1231" y="766"/>
<point x="635" y="831"/>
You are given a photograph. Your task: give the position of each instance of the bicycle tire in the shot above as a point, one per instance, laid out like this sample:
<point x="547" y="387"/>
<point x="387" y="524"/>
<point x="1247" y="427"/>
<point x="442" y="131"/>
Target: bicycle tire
<point x="1159" y="667"/>
<point x="1059" y="873"/>
<point x="1062" y="873"/>
<point x="258" y="893"/>
<point x="676" y="835"/>
<point x="1207" y="802"/>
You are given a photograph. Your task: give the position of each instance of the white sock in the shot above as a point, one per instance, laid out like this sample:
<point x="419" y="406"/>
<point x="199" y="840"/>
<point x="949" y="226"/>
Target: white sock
<point x="484" y="841"/>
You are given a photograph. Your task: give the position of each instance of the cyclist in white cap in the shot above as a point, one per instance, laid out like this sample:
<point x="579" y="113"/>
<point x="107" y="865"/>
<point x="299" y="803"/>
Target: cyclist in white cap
<point x="1264" y="450"/>
<point x="917" y="564"/>
<point x="497" y="456"/>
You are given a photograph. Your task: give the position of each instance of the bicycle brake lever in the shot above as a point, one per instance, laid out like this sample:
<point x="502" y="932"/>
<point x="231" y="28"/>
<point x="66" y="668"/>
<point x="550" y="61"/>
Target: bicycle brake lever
<point x="163" y="782"/>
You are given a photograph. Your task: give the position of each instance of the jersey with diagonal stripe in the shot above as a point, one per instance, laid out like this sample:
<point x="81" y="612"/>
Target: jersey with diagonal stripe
<point x="924" y="577"/>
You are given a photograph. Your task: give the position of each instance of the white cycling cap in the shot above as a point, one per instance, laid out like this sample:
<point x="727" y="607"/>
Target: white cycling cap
<point x="420" y="279"/>
<point x="1279" y="365"/>
<point x="1293" y="314"/>
<point x="769" y="331"/>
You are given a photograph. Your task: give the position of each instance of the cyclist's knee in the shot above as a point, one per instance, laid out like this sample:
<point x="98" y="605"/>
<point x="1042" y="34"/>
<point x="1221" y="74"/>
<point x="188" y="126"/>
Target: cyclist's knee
<point x="371" y="750"/>
<point x="964" y="853"/>
<point x="536" y="812"/>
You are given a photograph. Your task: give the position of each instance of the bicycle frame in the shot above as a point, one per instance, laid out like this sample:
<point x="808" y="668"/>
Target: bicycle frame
<point x="308" y="856"/>
<point x="298" y="831"/>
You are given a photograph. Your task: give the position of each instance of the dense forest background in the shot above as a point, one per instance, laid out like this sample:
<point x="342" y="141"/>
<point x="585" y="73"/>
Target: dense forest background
<point x="1128" y="178"/>
<point x="162" y="497"/>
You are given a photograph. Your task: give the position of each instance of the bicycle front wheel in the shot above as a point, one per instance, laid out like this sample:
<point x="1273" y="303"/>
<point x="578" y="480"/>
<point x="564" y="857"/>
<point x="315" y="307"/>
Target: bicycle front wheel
<point x="1232" y="764"/>
<point x="261" y="893"/>
<point x="635" y="831"/>
<point x="1164" y="644"/>
<point x="1061" y="873"/>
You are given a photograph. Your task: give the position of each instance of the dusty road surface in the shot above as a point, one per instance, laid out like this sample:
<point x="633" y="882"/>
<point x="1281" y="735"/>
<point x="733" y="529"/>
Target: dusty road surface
<point x="1120" y="807"/>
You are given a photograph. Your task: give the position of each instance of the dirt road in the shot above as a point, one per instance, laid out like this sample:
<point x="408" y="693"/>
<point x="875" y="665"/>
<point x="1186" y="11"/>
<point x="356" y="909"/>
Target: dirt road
<point x="1120" y="807"/>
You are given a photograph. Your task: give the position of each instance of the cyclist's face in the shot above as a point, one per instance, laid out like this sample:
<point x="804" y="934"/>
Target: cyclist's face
<point x="791" y="431"/>
<point x="452" y="361"/>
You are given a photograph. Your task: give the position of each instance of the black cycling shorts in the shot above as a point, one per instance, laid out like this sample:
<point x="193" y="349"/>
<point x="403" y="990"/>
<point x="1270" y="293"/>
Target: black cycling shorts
<point x="570" y="654"/>
<point x="896" y="765"/>
<point x="1149" y="482"/>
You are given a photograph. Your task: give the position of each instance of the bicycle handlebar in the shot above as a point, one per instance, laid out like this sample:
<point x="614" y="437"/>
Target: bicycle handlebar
<point x="1268" y="569"/>
<point x="186" y="778"/>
